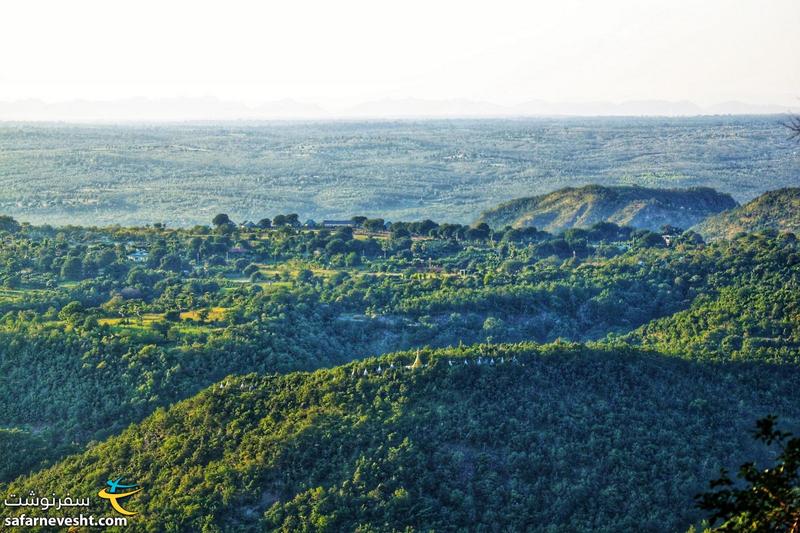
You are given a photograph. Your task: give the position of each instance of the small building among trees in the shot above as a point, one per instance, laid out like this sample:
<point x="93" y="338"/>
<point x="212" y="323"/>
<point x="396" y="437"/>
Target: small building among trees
<point x="138" y="256"/>
<point x="338" y="224"/>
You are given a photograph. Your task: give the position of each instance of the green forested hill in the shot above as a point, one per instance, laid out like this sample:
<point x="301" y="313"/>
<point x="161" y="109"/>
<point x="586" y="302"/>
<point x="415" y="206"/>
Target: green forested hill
<point x="696" y="341"/>
<point x="582" y="207"/>
<point x="776" y="210"/>
<point x="757" y="317"/>
<point x="129" y="350"/>
<point x="544" y="438"/>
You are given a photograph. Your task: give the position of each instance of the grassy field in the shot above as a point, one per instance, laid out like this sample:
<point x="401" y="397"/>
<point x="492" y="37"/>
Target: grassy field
<point x="189" y="320"/>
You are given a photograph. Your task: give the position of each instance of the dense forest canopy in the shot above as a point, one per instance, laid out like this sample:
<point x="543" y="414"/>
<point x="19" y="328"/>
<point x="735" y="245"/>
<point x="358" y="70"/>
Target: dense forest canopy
<point x="488" y="438"/>
<point x="363" y="375"/>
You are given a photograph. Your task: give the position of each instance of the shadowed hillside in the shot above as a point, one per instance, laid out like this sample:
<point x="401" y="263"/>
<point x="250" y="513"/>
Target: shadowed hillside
<point x="494" y="437"/>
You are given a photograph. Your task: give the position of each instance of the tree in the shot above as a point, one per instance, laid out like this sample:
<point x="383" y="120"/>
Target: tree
<point x="426" y="226"/>
<point x="374" y="224"/>
<point x="171" y="262"/>
<point x="72" y="269"/>
<point x="346" y="234"/>
<point x="649" y="239"/>
<point x="479" y="232"/>
<point x="71" y="311"/>
<point x="155" y="255"/>
<point x="90" y="322"/>
<point x="335" y="246"/>
<point x="106" y="257"/>
<point x="221" y="220"/>
<point x="264" y="223"/>
<point x="603" y="231"/>
<point x="90" y="267"/>
<point x="12" y="281"/>
<point x="669" y="229"/>
<point x="771" y="499"/>
<point x="399" y="231"/>
<point x="8" y="224"/>
<point x="138" y="276"/>
<point x="305" y="276"/>
<point x="352" y="259"/>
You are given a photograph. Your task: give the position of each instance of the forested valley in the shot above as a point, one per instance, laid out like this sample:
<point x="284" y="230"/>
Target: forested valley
<point x="364" y="376"/>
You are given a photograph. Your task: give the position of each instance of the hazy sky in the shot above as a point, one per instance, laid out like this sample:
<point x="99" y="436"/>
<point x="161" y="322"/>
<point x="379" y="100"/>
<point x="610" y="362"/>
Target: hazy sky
<point x="338" y="53"/>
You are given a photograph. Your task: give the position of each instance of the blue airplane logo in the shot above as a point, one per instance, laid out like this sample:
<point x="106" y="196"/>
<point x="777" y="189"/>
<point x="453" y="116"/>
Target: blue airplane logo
<point x="115" y="484"/>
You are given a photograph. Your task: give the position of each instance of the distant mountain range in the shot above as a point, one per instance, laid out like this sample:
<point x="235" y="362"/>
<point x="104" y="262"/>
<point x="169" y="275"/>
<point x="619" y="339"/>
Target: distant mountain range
<point x="213" y="109"/>
<point x="639" y="207"/>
